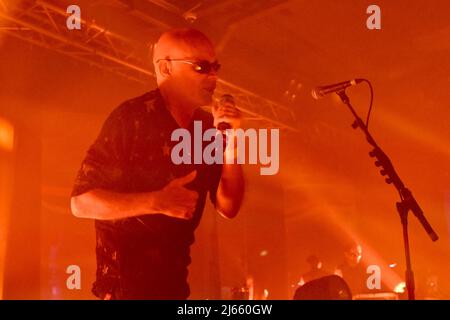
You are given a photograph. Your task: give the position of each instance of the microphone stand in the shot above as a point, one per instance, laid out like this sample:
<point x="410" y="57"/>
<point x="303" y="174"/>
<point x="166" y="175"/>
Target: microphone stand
<point x="407" y="203"/>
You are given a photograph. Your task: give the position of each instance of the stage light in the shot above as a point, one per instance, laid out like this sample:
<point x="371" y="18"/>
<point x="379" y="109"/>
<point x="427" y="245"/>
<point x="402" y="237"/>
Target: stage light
<point x="6" y="135"/>
<point x="400" y="288"/>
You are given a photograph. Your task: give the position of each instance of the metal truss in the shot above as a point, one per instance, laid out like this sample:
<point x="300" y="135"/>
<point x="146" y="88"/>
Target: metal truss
<point x="44" y="24"/>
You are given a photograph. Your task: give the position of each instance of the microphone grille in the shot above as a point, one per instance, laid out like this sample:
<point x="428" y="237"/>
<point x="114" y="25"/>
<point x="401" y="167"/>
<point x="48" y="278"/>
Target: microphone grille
<point x="227" y="98"/>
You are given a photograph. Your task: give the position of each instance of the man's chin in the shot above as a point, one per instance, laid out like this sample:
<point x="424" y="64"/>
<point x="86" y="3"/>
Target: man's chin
<point x="206" y="100"/>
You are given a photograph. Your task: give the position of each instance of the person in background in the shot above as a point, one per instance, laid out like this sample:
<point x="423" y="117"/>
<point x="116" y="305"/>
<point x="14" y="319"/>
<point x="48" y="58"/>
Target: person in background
<point x="315" y="270"/>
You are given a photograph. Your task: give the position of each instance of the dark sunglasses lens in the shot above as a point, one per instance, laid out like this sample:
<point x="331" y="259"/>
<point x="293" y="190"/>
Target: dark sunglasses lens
<point x="215" y="66"/>
<point x="206" y="67"/>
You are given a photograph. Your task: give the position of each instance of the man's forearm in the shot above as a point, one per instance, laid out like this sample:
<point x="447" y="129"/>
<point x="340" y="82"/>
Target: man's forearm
<point x="107" y="205"/>
<point x="231" y="190"/>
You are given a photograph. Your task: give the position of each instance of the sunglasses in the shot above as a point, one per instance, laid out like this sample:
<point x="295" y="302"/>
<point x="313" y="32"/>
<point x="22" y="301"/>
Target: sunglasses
<point x="200" y="66"/>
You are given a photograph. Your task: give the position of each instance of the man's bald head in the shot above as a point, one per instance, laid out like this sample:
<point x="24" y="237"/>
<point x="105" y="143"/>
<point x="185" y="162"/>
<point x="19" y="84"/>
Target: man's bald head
<point x="181" y="43"/>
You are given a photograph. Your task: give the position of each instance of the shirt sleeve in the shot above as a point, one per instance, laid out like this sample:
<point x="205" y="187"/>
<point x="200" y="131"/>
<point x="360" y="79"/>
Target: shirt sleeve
<point x="102" y="168"/>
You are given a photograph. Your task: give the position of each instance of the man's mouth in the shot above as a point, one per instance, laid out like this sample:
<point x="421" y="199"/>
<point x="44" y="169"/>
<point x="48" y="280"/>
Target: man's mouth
<point x="211" y="88"/>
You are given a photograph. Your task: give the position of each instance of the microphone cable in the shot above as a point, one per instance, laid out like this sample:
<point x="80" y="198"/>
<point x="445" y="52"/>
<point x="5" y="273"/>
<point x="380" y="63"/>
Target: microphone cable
<point x="371" y="102"/>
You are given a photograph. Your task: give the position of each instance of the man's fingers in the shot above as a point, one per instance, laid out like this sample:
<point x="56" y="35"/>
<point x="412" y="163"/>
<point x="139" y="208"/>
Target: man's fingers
<point x="184" y="194"/>
<point x="185" y="180"/>
<point x="193" y="195"/>
<point x="187" y="204"/>
<point x="184" y="212"/>
<point x="229" y="108"/>
<point x="235" y="113"/>
<point x="229" y="115"/>
<point x="182" y="201"/>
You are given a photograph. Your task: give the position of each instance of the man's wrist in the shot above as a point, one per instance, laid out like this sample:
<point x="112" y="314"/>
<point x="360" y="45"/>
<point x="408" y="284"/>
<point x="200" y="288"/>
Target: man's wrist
<point x="149" y="202"/>
<point x="230" y="152"/>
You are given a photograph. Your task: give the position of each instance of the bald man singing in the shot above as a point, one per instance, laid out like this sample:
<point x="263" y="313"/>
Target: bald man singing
<point x="145" y="207"/>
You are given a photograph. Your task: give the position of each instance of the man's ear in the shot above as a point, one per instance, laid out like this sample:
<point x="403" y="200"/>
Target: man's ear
<point x="165" y="68"/>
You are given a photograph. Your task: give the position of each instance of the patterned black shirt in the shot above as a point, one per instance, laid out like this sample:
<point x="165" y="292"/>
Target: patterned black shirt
<point x="144" y="256"/>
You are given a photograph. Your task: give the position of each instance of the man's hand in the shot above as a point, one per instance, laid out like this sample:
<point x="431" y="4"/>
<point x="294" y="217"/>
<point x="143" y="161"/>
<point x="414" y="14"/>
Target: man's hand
<point x="226" y="112"/>
<point x="175" y="200"/>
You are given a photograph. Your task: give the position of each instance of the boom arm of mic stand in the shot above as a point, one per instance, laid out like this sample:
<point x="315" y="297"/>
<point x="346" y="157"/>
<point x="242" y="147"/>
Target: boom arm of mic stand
<point x="407" y="199"/>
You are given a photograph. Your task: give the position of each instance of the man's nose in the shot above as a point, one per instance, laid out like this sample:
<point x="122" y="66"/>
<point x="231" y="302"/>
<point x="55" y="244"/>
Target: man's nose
<point x="213" y="75"/>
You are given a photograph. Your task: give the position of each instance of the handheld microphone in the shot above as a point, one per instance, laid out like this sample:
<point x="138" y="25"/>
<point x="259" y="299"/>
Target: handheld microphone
<point x="320" y="92"/>
<point x="225" y="99"/>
